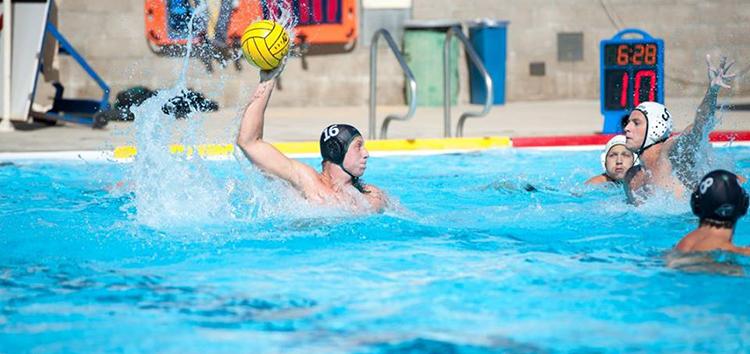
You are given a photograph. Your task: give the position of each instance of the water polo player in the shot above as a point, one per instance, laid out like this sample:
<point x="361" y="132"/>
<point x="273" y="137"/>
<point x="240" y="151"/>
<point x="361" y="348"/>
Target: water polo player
<point x="718" y="201"/>
<point x="341" y="146"/>
<point x="669" y="162"/>
<point x="616" y="160"/>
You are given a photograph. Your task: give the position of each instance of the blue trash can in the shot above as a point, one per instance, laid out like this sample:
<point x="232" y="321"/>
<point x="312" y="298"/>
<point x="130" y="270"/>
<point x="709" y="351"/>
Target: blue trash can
<point x="489" y="38"/>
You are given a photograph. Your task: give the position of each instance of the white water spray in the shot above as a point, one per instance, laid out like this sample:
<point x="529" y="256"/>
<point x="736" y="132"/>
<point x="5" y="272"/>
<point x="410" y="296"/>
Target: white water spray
<point x="173" y="190"/>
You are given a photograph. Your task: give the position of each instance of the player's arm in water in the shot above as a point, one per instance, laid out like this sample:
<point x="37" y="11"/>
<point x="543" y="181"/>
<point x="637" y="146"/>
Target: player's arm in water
<point x="261" y="153"/>
<point x="690" y="139"/>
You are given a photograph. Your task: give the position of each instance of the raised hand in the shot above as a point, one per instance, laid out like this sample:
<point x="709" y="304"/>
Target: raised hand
<point x="720" y="77"/>
<point x="266" y="75"/>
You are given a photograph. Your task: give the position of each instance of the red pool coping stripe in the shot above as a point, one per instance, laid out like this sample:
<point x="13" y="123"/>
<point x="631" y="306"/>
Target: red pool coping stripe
<point x="601" y="139"/>
<point x="729" y="136"/>
<point x="561" y="140"/>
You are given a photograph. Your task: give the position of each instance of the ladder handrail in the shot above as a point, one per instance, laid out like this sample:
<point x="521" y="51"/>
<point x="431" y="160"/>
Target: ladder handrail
<point x="458" y="33"/>
<point x="411" y="92"/>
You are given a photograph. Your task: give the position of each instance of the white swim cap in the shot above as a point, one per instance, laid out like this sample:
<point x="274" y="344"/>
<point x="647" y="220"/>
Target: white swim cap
<point x="658" y="123"/>
<point x="616" y="140"/>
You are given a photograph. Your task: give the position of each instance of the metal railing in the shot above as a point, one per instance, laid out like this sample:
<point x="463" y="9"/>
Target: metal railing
<point x="411" y="92"/>
<point x="458" y="33"/>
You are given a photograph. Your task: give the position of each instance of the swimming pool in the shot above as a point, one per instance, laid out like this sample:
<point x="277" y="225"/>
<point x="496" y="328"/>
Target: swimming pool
<point x="210" y="256"/>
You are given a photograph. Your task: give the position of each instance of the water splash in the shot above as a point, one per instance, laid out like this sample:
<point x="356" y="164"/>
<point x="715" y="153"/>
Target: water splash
<point x="282" y="12"/>
<point x="170" y="189"/>
<point x="662" y="203"/>
<point x="692" y="161"/>
<point x="199" y="12"/>
<point x="173" y="191"/>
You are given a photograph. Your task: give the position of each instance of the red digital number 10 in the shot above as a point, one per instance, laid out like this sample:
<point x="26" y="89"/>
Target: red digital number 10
<point x="649" y="75"/>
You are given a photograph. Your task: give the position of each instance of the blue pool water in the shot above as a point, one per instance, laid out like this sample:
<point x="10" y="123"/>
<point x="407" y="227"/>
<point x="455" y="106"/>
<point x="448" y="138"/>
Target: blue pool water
<point x="213" y="257"/>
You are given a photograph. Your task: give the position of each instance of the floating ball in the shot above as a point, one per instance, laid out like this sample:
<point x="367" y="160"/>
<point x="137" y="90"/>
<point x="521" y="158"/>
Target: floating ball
<point x="265" y="43"/>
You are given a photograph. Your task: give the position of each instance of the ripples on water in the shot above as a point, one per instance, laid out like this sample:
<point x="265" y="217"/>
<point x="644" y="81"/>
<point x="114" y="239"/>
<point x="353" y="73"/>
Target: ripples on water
<point x="501" y="251"/>
<point x="475" y="261"/>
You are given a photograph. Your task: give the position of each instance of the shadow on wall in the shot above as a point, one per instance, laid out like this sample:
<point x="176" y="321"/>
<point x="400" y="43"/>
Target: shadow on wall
<point x="322" y="27"/>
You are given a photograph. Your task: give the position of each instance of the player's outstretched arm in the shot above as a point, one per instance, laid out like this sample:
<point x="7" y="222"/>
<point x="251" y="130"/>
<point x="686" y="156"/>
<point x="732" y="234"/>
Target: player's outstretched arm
<point x="259" y="152"/>
<point x="704" y="116"/>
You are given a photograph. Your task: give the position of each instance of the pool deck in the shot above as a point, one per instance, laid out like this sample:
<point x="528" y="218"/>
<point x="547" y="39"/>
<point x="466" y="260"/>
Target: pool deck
<point x="300" y="124"/>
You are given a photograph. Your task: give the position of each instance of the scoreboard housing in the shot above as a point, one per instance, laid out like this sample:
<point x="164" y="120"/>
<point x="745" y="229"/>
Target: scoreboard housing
<point x="631" y="72"/>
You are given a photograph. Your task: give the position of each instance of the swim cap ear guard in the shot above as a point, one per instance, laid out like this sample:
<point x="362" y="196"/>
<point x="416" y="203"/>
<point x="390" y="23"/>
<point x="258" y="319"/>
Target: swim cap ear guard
<point x="719" y="196"/>
<point x="658" y="123"/>
<point x="616" y="140"/>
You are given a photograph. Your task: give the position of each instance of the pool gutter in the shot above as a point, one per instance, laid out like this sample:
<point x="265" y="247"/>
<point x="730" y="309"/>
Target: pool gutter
<point x="376" y="147"/>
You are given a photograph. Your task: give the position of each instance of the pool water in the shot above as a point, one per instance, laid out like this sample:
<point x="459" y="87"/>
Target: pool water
<point x="498" y="251"/>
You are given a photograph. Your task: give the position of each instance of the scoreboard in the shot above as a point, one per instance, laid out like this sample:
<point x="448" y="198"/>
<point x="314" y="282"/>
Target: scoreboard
<point x="631" y="72"/>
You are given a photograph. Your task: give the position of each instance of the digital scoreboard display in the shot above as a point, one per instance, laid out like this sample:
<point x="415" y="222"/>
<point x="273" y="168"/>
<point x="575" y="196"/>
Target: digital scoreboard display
<point x="632" y="72"/>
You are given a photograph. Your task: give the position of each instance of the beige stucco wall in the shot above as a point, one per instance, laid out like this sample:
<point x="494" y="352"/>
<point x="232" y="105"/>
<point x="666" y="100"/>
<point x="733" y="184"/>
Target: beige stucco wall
<point x="690" y="29"/>
<point x="110" y="34"/>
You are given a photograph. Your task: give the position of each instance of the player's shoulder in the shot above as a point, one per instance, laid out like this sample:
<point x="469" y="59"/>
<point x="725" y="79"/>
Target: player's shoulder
<point x="372" y="189"/>
<point x="377" y="198"/>
<point x="598" y="179"/>
<point x="306" y="176"/>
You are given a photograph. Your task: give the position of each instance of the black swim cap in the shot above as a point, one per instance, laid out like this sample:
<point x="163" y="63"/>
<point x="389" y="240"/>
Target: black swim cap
<point x="720" y="197"/>
<point x="335" y="140"/>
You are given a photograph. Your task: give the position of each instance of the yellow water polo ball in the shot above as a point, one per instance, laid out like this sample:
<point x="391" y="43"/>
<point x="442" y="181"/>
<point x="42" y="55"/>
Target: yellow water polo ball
<point x="265" y="43"/>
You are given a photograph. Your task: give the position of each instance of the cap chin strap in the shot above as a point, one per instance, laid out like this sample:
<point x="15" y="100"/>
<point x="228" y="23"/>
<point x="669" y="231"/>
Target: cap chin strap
<point x="645" y="136"/>
<point x="348" y="173"/>
<point x="346" y="148"/>
<point x="354" y="179"/>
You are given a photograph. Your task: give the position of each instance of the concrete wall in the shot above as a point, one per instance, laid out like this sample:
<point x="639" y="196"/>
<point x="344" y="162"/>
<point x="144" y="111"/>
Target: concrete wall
<point x="110" y="34"/>
<point x="690" y="29"/>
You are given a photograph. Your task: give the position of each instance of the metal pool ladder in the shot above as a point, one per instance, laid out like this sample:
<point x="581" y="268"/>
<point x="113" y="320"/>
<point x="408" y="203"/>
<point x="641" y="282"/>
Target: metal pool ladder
<point x="458" y="33"/>
<point x="412" y="88"/>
